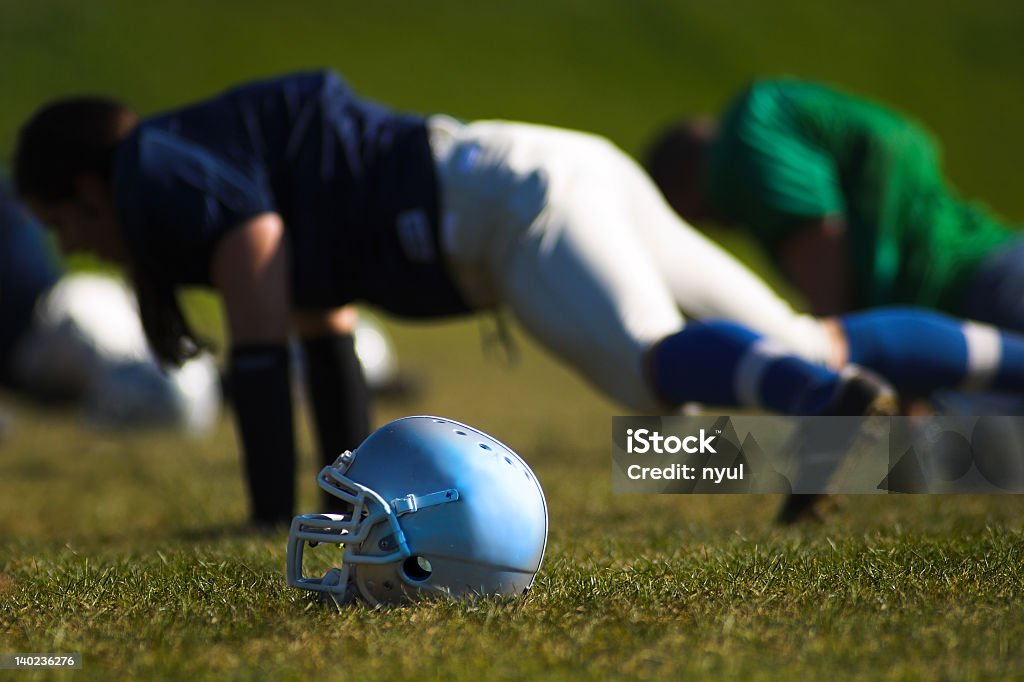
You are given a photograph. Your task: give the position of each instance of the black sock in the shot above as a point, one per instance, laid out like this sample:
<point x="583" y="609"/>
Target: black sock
<point x="260" y="390"/>
<point x="339" y="398"/>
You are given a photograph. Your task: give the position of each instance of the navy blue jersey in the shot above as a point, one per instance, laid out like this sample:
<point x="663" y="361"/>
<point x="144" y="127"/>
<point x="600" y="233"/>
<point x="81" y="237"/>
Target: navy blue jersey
<point x="28" y="268"/>
<point x="353" y="181"/>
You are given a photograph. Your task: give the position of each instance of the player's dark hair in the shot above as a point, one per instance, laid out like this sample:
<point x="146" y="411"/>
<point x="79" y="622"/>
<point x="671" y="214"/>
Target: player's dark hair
<point x="674" y="154"/>
<point x="66" y="138"/>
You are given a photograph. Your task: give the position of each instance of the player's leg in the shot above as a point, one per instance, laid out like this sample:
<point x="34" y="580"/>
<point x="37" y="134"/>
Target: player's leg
<point x="921" y="351"/>
<point x="706" y="281"/>
<point x="337" y="388"/>
<point x="571" y="269"/>
<point x="600" y="324"/>
<point x="995" y="293"/>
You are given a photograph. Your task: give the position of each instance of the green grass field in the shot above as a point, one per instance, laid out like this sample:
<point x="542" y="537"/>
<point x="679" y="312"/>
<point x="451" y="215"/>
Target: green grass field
<point x="129" y="551"/>
<point x="128" y="548"/>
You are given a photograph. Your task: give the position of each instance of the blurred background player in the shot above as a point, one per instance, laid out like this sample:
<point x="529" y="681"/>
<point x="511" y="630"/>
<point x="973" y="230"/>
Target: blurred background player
<point x="848" y="199"/>
<point x="77" y="338"/>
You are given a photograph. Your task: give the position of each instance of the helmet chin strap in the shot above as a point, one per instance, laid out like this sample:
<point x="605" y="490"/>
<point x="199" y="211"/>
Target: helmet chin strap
<point x="413" y="503"/>
<point x="337" y="578"/>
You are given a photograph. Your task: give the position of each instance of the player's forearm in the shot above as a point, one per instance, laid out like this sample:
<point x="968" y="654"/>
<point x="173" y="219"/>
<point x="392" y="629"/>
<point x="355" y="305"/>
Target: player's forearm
<point x="815" y="261"/>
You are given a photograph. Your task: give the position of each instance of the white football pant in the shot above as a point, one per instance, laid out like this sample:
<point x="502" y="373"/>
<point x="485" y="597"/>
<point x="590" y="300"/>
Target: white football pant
<point x="571" y="235"/>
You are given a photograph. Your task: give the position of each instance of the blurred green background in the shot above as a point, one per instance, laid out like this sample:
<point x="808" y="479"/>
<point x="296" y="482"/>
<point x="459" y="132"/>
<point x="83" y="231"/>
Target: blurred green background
<point x="617" y="68"/>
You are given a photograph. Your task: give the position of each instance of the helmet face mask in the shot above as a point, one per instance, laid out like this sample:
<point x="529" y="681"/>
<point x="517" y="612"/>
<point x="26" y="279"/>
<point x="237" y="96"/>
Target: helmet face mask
<point x="438" y="508"/>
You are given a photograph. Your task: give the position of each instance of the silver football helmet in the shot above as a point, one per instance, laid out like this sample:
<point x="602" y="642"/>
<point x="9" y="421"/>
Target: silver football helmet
<point x="437" y="507"/>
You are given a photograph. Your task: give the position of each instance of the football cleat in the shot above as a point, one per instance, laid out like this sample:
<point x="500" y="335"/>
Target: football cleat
<point x="860" y="393"/>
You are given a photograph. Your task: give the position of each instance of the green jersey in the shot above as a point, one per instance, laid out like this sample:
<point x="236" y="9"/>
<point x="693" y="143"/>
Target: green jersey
<point x="788" y="151"/>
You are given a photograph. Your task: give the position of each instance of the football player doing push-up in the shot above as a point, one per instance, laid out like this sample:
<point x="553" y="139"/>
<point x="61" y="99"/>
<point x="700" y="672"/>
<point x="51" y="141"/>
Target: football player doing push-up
<point x="292" y="197"/>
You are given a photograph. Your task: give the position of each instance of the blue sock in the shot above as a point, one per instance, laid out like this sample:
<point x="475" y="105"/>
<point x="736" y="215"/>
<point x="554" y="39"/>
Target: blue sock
<point x="725" y="364"/>
<point x="920" y="351"/>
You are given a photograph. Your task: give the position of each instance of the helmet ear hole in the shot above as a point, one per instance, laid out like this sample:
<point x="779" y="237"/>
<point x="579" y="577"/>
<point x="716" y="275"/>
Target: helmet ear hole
<point x="417" y="568"/>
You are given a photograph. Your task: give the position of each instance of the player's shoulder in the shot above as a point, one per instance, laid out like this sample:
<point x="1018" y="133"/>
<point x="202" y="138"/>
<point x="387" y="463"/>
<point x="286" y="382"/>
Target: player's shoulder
<point x="292" y="85"/>
<point x="148" y="153"/>
<point x="780" y="106"/>
<point x="250" y="98"/>
<point x="154" y="169"/>
<point x="779" y="92"/>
